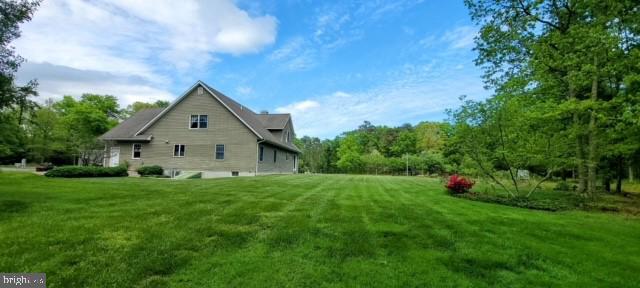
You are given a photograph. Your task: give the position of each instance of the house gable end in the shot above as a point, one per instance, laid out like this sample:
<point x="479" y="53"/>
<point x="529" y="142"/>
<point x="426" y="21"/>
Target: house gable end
<point x="193" y="92"/>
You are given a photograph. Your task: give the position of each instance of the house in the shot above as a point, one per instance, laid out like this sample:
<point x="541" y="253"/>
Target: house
<point x="204" y="130"/>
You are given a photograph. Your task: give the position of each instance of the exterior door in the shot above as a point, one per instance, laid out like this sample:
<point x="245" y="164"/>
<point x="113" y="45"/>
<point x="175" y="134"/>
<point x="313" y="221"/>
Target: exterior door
<point x="114" y="157"/>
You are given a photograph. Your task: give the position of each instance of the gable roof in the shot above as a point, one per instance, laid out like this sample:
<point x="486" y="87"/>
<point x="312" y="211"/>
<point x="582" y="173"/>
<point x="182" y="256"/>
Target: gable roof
<point x="244" y="114"/>
<point x="127" y="129"/>
<point x="274" y="121"/>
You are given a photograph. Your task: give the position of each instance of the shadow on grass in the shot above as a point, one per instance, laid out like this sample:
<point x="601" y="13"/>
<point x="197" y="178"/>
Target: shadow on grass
<point x="12" y="207"/>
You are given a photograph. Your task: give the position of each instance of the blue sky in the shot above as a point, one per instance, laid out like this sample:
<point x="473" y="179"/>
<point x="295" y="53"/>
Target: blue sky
<point x="332" y="65"/>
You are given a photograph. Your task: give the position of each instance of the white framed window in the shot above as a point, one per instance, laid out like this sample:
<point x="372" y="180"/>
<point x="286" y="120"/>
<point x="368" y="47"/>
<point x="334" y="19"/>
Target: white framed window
<point x="219" y="151"/>
<point x="179" y="150"/>
<point x="136" y="151"/>
<point x="197" y="121"/>
<point x="200" y="91"/>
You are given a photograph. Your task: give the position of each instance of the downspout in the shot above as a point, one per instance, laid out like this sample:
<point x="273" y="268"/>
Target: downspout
<point x="258" y="155"/>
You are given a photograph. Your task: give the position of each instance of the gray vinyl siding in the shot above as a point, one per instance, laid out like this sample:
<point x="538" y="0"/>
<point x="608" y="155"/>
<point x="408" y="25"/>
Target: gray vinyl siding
<point x="173" y="128"/>
<point x="284" y="161"/>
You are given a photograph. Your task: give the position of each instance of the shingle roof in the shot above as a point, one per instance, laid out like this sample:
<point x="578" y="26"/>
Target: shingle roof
<point x="274" y="121"/>
<point x="134" y="127"/>
<point x="127" y="129"/>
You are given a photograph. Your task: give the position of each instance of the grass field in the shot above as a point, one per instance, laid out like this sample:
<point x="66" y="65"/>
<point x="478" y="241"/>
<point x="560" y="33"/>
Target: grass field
<point x="299" y="230"/>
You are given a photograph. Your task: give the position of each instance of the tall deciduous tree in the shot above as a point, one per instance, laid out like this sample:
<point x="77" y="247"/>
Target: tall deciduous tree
<point x="12" y="14"/>
<point x="571" y="54"/>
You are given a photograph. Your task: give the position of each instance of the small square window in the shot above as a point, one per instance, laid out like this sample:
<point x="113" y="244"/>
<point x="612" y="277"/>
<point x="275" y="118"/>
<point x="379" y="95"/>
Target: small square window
<point x="178" y="150"/>
<point x="200" y="91"/>
<point x="219" y="151"/>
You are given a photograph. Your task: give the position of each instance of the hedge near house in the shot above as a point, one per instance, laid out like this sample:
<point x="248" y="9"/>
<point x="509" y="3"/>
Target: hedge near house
<point x="87" y="171"/>
<point x="153" y="170"/>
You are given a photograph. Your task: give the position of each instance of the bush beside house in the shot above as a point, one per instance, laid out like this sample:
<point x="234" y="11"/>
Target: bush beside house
<point x="153" y="170"/>
<point x="87" y="171"/>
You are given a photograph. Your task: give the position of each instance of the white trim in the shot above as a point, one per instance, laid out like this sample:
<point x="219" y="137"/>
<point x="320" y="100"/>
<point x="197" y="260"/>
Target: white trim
<point x="184" y="151"/>
<point x="215" y="152"/>
<point x="184" y="95"/>
<point x="133" y="150"/>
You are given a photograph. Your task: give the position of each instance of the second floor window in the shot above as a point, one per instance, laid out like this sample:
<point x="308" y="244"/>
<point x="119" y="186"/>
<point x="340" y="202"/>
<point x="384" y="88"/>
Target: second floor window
<point x="275" y="155"/>
<point x="199" y="121"/>
<point x="178" y="150"/>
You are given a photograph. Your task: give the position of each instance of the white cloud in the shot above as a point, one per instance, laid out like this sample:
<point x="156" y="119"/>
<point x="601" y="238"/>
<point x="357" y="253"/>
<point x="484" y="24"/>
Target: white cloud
<point x="295" y="55"/>
<point x="460" y="37"/>
<point x="140" y="39"/>
<point x="244" y="90"/>
<point x="55" y="81"/>
<point x="412" y="92"/>
<point x="298" y="107"/>
<point x="291" y="47"/>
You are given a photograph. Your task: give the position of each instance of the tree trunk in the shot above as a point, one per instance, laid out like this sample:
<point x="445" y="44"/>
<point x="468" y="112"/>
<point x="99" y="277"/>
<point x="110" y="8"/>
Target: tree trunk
<point x="606" y="181"/>
<point x="619" y="175"/>
<point x="580" y="163"/>
<point x="592" y="157"/>
<point x="630" y="173"/>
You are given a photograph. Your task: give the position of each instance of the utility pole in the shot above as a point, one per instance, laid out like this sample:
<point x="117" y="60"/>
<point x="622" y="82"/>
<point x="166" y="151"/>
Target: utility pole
<point x="407" y="155"/>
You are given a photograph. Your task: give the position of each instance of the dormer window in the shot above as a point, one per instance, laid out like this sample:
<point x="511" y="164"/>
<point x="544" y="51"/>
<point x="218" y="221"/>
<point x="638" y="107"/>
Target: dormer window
<point x="199" y="122"/>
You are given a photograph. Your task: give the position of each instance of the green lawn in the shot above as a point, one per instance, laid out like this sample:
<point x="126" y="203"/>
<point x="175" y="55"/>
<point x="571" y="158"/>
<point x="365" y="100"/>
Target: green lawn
<point x="300" y="230"/>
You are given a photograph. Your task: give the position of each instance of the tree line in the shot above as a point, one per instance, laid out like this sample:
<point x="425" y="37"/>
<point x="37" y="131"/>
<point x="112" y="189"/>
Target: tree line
<point x="407" y="149"/>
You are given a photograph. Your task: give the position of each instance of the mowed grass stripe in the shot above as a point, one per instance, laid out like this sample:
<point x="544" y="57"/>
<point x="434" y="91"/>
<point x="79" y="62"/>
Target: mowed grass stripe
<point x="300" y="231"/>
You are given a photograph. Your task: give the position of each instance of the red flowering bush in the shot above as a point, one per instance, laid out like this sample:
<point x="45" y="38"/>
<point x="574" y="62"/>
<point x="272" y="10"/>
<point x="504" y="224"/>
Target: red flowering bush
<point x="458" y="184"/>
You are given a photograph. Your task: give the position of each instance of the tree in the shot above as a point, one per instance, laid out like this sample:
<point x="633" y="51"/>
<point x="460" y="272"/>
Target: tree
<point x="42" y="130"/>
<point x="14" y="100"/>
<point x="138" y="106"/>
<point x="570" y="54"/>
<point x="81" y="122"/>
<point x="404" y="144"/>
<point x="12" y="14"/>
<point x="510" y="133"/>
<point x="431" y="136"/>
<point x="349" y="154"/>
<point x="312" y="158"/>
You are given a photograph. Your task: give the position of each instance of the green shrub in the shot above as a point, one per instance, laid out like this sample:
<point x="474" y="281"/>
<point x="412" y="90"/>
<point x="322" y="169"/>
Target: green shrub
<point x="150" y="170"/>
<point x="522" y="202"/>
<point x="564" y="186"/>
<point x="87" y="171"/>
